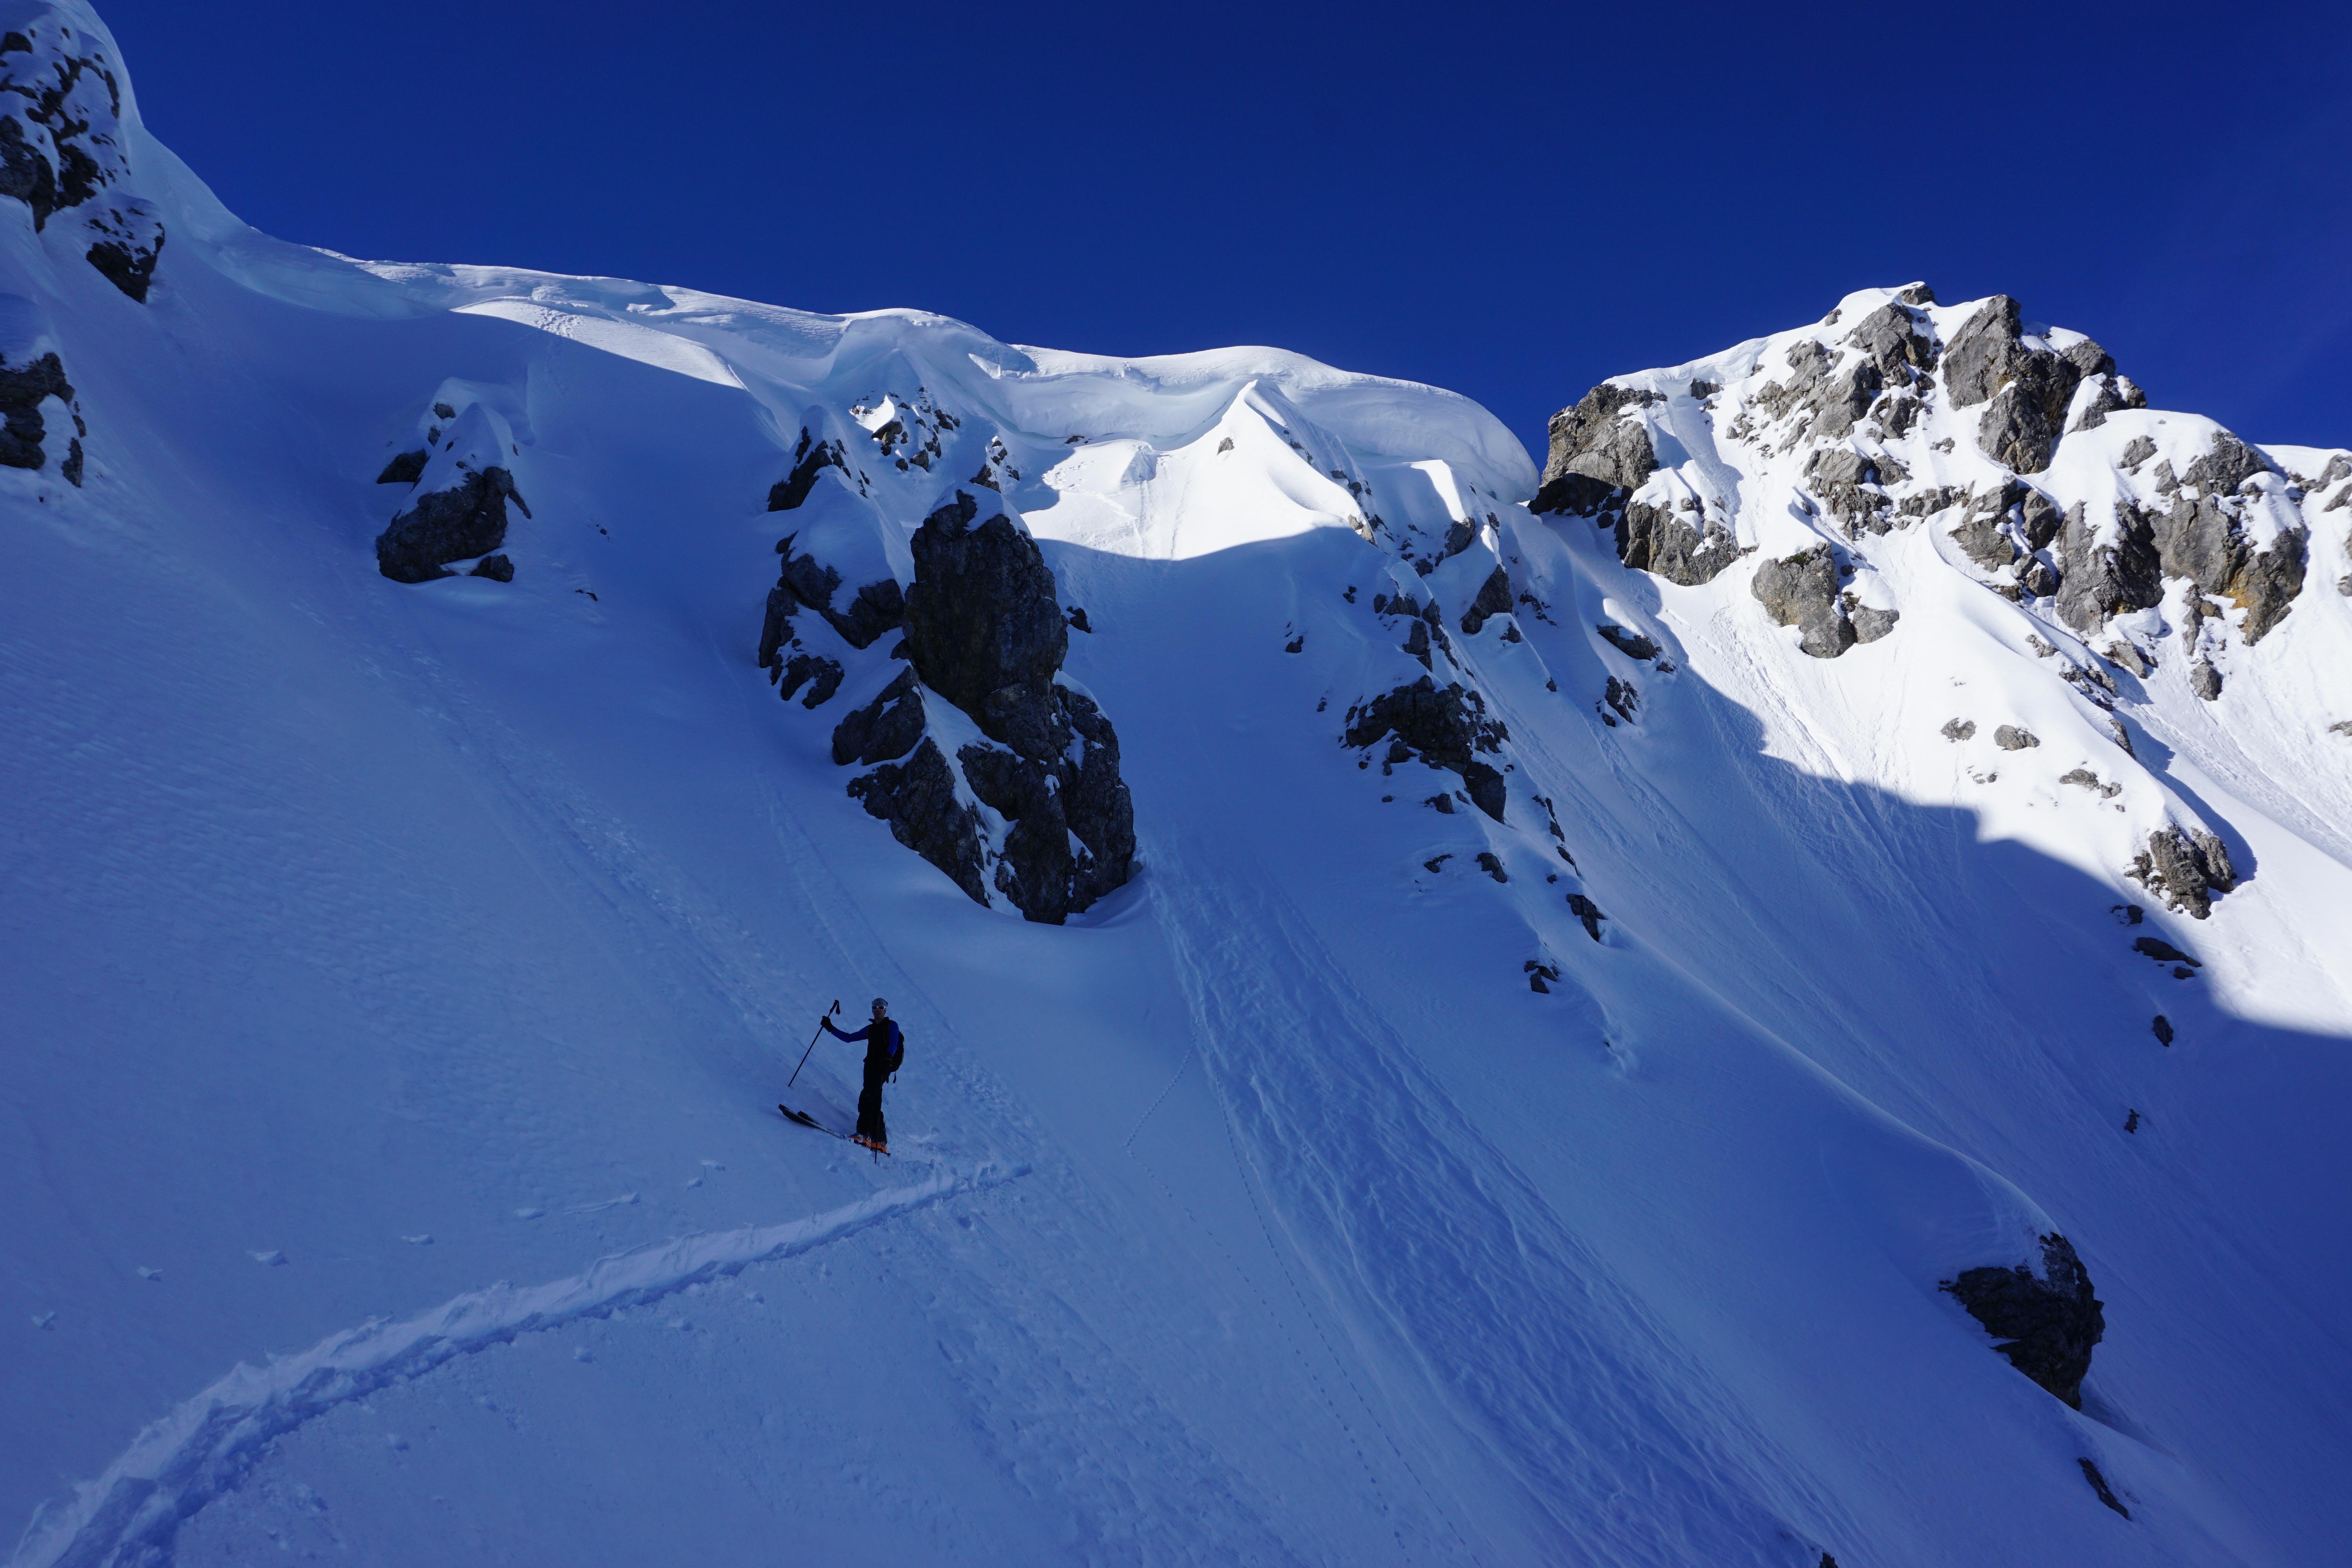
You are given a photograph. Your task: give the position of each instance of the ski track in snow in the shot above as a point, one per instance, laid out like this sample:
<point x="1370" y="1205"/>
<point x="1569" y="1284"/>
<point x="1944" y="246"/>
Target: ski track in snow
<point x="201" y="1450"/>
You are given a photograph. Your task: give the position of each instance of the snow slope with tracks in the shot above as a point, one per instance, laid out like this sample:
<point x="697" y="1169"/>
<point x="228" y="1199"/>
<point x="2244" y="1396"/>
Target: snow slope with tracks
<point x="366" y="945"/>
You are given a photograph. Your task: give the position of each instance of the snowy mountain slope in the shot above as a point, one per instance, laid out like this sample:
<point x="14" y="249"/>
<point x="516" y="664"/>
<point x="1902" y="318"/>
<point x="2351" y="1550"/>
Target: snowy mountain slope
<point x="371" y="943"/>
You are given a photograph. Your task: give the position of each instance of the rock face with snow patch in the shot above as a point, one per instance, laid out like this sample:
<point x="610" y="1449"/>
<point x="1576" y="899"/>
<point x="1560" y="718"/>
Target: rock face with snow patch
<point x="459" y="510"/>
<point x="1802" y="591"/>
<point x="23" y="432"/>
<point x="2187" y="868"/>
<point x="2048" y="1324"/>
<point x="985" y="632"/>
<point x="1601" y="454"/>
<point x="61" y="149"/>
<point x="2041" y="463"/>
<point x="1446" y="728"/>
<point x="804" y="583"/>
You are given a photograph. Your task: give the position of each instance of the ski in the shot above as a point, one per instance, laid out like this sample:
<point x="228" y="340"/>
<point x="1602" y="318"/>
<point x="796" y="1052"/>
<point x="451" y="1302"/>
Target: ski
<point x="804" y="1120"/>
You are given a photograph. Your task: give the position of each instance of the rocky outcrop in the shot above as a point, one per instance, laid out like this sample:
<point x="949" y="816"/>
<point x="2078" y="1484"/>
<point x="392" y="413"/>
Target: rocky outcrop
<point x="810" y="458"/>
<point x="2009" y="738"/>
<point x="1632" y="644"/>
<point x="1493" y="598"/>
<point x="1599" y="457"/>
<point x="1802" y="591"/>
<point x="2201" y="535"/>
<point x="1825" y="393"/>
<point x="1594" y="451"/>
<point x="2029" y="389"/>
<point x="1683" y="545"/>
<point x="2187" y="868"/>
<point x="127" y="242"/>
<point x="2048" y="1325"/>
<point x="61" y="149"/>
<point x="405" y="468"/>
<point x="984" y="631"/>
<point x="2107" y="572"/>
<point x="918" y="798"/>
<point x="2008" y="525"/>
<point x="466" y="520"/>
<point x="24" y="431"/>
<point x="1445" y="728"/>
<point x="1850" y="488"/>
<point x="804" y="583"/>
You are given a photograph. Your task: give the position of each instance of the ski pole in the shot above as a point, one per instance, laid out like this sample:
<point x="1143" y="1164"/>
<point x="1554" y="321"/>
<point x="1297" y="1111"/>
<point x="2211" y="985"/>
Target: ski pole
<point x="828" y="1012"/>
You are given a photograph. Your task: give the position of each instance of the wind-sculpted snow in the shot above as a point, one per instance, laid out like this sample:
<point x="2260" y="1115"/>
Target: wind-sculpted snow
<point x="1576" y="983"/>
<point x="132" y="1512"/>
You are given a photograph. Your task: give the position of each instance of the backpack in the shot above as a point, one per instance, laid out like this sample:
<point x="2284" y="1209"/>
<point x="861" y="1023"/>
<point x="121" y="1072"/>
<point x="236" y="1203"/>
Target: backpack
<point x="897" y="1047"/>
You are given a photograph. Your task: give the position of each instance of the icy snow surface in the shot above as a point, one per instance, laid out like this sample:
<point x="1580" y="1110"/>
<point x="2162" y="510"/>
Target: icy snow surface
<point x="400" y="979"/>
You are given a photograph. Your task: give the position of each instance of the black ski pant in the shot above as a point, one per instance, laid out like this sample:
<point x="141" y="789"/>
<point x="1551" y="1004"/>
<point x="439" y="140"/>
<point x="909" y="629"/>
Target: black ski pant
<point x="870" y="1124"/>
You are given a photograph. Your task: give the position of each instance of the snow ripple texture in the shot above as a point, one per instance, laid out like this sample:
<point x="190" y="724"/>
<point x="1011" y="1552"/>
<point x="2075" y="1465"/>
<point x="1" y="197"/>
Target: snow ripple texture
<point x="201" y="1450"/>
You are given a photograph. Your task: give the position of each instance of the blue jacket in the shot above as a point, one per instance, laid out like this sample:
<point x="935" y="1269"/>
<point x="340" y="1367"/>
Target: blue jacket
<point x="885" y="1044"/>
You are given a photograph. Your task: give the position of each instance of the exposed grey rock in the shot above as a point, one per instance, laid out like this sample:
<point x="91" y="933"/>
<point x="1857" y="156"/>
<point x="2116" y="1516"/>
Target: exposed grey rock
<point x="917" y="799"/>
<point x="2085" y="779"/>
<point x="1632" y="644"/>
<point x="1492" y="865"/>
<point x="2127" y="654"/>
<point x="2009" y="738"/>
<point x="1588" y="911"/>
<point x="2202" y="538"/>
<point x="1538" y="973"/>
<point x="406" y="469"/>
<point x="1619" y="698"/>
<point x="2137" y="450"/>
<point x="2110" y="394"/>
<point x="1850" y="487"/>
<point x="496" y="568"/>
<point x="2163" y="952"/>
<point x="803" y="581"/>
<point x="983" y="614"/>
<point x="1869" y="625"/>
<point x="1929" y="502"/>
<point x="2205" y="679"/>
<point x="1893" y="339"/>
<point x="1651" y="539"/>
<point x="1983" y="533"/>
<point x="883" y="729"/>
<point x="1594" y="451"/>
<point x="1958" y="730"/>
<point x="1494" y="599"/>
<point x="1802" y="591"/>
<point x="2091" y="1470"/>
<point x="130" y="243"/>
<point x="810" y="458"/>
<point x="2048" y="1325"/>
<point x="22" y="391"/>
<point x="466" y="520"/>
<point x="2110" y="577"/>
<point x="2184" y="870"/>
<point x="823" y="674"/>
<point x="986" y="630"/>
<point x="2090" y="359"/>
<point x="2162" y="1028"/>
<point x="1449" y="729"/>
<point x="2028" y="389"/>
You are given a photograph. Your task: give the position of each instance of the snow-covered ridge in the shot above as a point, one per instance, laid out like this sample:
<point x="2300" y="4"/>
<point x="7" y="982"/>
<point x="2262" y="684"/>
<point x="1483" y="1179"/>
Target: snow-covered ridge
<point x="1887" y="458"/>
<point x="1764" y="1007"/>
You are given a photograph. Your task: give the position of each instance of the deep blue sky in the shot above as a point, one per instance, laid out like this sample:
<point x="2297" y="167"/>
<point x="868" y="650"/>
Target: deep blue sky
<point x="1513" y="202"/>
